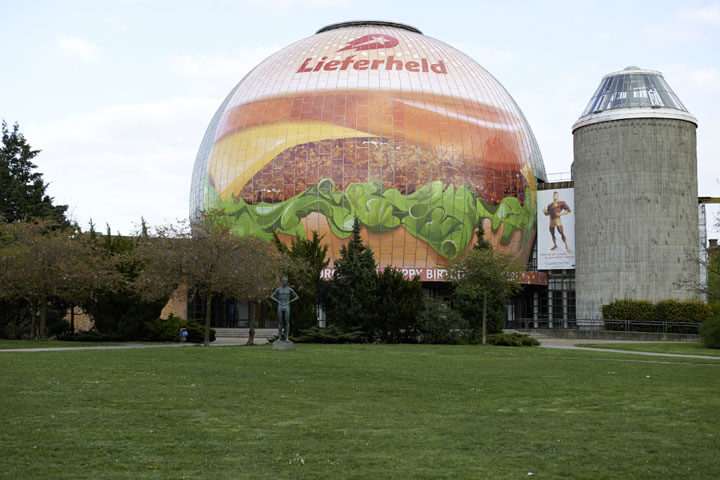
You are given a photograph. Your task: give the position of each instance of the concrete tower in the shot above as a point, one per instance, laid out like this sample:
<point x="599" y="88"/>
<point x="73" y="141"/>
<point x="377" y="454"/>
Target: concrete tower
<point x="635" y="172"/>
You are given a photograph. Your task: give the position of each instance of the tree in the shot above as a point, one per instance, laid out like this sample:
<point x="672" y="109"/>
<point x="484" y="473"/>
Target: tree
<point x="385" y="306"/>
<point x="22" y="191"/>
<point x="120" y="310"/>
<point x="710" y="263"/>
<point x="713" y="286"/>
<point x="472" y="310"/>
<point x="481" y="275"/>
<point x="307" y="260"/>
<point x="441" y="324"/>
<point x="480" y="242"/>
<point x="713" y="270"/>
<point x="351" y="295"/>
<point x="397" y="307"/>
<point x="41" y="262"/>
<point x="205" y="256"/>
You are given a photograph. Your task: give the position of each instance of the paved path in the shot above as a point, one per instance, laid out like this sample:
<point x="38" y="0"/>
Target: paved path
<point x="219" y="342"/>
<point x="545" y="342"/>
<point x="652" y="354"/>
<point x="569" y="344"/>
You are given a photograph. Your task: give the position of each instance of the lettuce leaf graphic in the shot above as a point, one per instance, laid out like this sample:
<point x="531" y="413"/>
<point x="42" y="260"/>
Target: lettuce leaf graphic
<point x="443" y="217"/>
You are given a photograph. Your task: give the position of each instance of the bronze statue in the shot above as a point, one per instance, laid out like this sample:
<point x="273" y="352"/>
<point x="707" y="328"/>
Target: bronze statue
<point x="284" y="296"/>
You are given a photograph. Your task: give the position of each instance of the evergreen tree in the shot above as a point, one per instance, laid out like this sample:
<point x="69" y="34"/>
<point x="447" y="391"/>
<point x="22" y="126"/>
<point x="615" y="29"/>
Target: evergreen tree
<point x="307" y="260"/>
<point x="351" y="297"/>
<point x="398" y="308"/>
<point x="22" y="191"/>
<point x="481" y="243"/>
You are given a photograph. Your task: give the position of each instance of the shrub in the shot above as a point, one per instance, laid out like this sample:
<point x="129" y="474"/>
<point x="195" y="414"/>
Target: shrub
<point x="512" y="340"/>
<point x="692" y="311"/>
<point x="441" y="324"/>
<point x="668" y="311"/>
<point x="715" y="308"/>
<point x="123" y="313"/>
<point x="162" y="330"/>
<point x="331" y="334"/>
<point x="91" y="336"/>
<point x="635" y="310"/>
<point x="16" y="319"/>
<point x="685" y="311"/>
<point x="696" y="311"/>
<point x="710" y="333"/>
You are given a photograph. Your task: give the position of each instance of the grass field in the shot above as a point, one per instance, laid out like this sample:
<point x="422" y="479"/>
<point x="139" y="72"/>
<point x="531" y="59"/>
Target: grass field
<point x="682" y="348"/>
<point x="357" y="411"/>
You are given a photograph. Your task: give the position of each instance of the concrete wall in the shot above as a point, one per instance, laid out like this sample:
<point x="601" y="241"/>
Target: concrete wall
<point x="80" y="319"/>
<point x="178" y="303"/>
<point x="636" y="211"/>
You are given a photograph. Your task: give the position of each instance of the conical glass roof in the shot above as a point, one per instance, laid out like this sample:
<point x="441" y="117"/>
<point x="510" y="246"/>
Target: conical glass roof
<point x="633" y="93"/>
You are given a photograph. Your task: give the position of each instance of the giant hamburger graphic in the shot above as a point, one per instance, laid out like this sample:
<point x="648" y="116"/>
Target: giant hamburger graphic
<point x="373" y="121"/>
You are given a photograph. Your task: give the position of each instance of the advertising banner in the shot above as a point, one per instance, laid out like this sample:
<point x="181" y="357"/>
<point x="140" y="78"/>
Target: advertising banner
<point x="556" y="229"/>
<point x="381" y="125"/>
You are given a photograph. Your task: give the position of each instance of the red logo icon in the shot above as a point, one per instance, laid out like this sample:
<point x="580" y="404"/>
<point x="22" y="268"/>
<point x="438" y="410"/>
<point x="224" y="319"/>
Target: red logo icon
<point x="371" y="42"/>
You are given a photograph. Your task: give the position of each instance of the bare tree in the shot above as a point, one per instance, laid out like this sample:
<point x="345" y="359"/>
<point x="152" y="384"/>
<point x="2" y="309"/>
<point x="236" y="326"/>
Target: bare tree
<point x="709" y="287"/>
<point x="713" y="270"/>
<point x="207" y="257"/>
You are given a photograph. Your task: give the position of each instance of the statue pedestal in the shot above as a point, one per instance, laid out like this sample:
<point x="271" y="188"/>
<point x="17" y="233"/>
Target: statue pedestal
<point x="282" y="345"/>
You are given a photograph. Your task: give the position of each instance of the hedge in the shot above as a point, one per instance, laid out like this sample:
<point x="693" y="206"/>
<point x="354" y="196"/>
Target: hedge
<point x="635" y="310"/>
<point x="692" y="311"/>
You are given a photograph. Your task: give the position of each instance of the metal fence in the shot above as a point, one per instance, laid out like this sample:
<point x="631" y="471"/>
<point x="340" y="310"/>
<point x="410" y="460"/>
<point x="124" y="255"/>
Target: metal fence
<point x="524" y="323"/>
<point x="657" y="327"/>
<point x="611" y="325"/>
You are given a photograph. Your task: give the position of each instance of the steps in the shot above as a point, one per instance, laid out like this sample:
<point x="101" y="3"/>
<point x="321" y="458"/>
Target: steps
<point x="537" y="335"/>
<point x="244" y="332"/>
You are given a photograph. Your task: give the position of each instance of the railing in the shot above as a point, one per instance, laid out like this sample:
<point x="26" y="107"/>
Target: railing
<point x="648" y="326"/>
<point x="612" y="325"/>
<point x="525" y="323"/>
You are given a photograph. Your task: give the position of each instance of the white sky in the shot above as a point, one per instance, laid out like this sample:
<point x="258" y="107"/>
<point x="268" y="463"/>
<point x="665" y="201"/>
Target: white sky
<point x="118" y="93"/>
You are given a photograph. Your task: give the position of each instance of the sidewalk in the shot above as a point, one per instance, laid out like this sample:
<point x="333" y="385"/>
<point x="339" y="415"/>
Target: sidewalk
<point x="569" y="344"/>
<point x="545" y="342"/>
<point x="630" y="352"/>
<point x="219" y="342"/>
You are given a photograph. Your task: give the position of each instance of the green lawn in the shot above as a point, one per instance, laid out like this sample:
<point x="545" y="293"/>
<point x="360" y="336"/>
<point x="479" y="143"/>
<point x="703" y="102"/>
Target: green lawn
<point x="682" y="348"/>
<point x="357" y="411"/>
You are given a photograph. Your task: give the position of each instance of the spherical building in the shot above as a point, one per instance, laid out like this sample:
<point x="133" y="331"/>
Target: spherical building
<point x="635" y="193"/>
<point x="374" y="121"/>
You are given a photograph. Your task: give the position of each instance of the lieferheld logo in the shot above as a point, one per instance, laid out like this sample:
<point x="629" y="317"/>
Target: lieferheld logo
<point x="373" y="41"/>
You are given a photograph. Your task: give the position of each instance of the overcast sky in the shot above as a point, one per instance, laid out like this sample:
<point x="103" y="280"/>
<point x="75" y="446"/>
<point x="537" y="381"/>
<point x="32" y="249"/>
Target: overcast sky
<point x="118" y="93"/>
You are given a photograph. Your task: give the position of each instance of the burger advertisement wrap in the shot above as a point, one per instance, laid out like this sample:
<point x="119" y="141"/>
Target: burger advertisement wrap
<point x="382" y="124"/>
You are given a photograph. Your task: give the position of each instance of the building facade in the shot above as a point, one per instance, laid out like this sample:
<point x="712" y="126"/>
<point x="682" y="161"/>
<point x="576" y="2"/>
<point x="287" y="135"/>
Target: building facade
<point x="375" y="121"/>
<point x="635" y="173"/>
